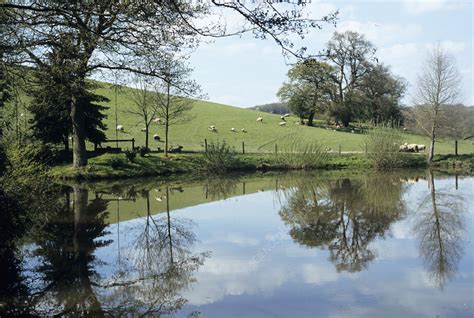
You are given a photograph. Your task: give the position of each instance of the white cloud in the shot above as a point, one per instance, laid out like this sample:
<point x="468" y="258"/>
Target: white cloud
<point x="416" y="7"/>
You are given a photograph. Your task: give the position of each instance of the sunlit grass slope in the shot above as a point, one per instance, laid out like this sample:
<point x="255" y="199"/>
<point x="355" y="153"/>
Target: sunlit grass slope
<point x="260" y="137"/>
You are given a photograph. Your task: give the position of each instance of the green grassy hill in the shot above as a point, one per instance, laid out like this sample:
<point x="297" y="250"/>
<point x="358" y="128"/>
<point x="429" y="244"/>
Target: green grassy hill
<point x="260" y="137"/>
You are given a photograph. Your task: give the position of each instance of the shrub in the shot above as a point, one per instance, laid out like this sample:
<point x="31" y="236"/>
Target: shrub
<point x="130" y="155"/>
<point x="219" y="157"/>
<point x="116" y="163"/>
<point x="143" y="151"/>
<point x="302" y="155"/>
<point x="383" y="144"/>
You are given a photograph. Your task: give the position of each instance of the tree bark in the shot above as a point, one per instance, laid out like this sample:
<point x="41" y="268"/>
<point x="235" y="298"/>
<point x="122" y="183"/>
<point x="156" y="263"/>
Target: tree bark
<point x="146" y="136"/>
<point x="432" y="145"/>
<point x="78" y="131"/>
<point x="310" y="119"/>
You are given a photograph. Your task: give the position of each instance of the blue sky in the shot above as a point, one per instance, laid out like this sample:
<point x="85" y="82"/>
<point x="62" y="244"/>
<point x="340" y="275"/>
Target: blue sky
<point x="245" y="71"/>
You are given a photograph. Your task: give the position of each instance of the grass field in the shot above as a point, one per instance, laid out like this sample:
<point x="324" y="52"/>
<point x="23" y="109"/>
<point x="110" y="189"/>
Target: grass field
<point x="260" y="137"/>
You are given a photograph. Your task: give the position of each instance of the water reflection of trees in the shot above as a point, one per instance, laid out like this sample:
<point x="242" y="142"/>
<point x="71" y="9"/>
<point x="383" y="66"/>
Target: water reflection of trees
<point x="161" y="266"/>
<point x="440" y="228"/>
<point x="343" y="215"/>
<point x="60" y="274"/>
<point x="217" y="187"/>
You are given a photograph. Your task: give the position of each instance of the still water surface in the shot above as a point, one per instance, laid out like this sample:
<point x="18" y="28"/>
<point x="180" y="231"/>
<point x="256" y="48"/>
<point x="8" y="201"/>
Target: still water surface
<point x="312" y="245"/>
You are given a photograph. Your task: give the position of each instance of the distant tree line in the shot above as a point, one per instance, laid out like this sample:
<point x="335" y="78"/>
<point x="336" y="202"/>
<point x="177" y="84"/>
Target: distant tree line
<point x="274" y="108"/>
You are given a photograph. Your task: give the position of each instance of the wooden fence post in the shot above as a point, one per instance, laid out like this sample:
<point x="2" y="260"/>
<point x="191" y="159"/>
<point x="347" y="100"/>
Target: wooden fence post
<point x="455" y="147"/>
<point x="243" y="148"/>
<point x="276" y="148"/>
<point x="133" y="144"/>
<point x="205" y="144"/>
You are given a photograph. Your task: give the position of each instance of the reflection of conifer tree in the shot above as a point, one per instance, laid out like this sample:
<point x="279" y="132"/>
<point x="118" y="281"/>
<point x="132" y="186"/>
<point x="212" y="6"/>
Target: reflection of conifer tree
<point x="440" y="229"/>
<point x="67" y="246"/>
<point x="343" y="216"/>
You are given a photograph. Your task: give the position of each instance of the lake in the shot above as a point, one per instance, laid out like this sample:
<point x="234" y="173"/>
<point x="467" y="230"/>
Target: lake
<point x="319" y="244"/>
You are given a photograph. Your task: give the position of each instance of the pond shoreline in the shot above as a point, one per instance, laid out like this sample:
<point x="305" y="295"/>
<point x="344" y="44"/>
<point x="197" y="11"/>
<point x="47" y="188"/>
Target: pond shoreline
<point x="100" y="168"/>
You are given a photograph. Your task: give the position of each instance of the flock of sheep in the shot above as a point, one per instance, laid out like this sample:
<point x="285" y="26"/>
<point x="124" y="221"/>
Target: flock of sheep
<point x="259" y="120"/>
<point x="412" y="148"/>
<point x="402" y="148"/>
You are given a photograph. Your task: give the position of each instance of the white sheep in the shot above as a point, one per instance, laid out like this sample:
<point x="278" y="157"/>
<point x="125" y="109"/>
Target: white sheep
<point x="243" y="130"/>
<point x="282" y="118"/>
<point x="286" y="115"/>
<point x="283" y="123"/>
<point x="157" y="120"/>
<point x="156" y="137"/>
<point x="212" y="128"/>
<point x="421" y="147"/>
<point x="143" y="129"/>
<point x="260" y="119"/>
<point x="120" y="127"/>
<point x="232" y="129"/>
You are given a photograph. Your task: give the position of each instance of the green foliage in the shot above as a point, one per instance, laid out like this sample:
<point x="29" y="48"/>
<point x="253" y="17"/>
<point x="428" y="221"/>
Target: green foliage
<point x="116" y="163"/>
<point x="52" y="100"/>
<point x="309" y="89"/>
<point x="219" y="157"/>
<point x="383" y="144"/>
<point x="143" y="151"/>
<point x="131" y="155"/>
<point x="302" y="155"/>
<point x="380" y="94"/>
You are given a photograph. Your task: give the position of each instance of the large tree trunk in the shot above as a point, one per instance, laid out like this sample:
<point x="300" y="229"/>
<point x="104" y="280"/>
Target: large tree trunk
<point x="146" y="136"/>
<point x="310" y="119"/>
<point x="166" y="138"/>
<point x="78" y="131"/>
<point x="432" y="145"/>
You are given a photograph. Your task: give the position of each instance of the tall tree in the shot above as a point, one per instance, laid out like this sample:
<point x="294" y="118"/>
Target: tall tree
<point x="352" y="56"/>
<point x="381" y="93"/>
<point x="143" y="103"/>
<point x="115" y="35"/>
<point x="437" y="87"/>
<point x="51" y="103"/>
<point x="309" y="89"/>
<point x="174" y="92"/>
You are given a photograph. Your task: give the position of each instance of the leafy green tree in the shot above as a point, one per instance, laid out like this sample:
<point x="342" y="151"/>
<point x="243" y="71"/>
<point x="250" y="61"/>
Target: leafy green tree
<point x="381" y="93"/>
<point x="352" y="56"/>
<point x="309" y="89"/>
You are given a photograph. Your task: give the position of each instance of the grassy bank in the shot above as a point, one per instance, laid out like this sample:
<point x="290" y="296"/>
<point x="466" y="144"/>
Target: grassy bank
<point x="115" y="166"/>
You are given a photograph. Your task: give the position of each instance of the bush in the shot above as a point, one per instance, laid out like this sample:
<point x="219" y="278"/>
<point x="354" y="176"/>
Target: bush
<point x="219" y="157"/>
<point x="23" y="163"/>
<point x="383" y="147"/>
<point x="130" y="155"/>
<point x="302" y="155"/>
<point x="143" y="151"/>
<point x="116" y="163"/>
